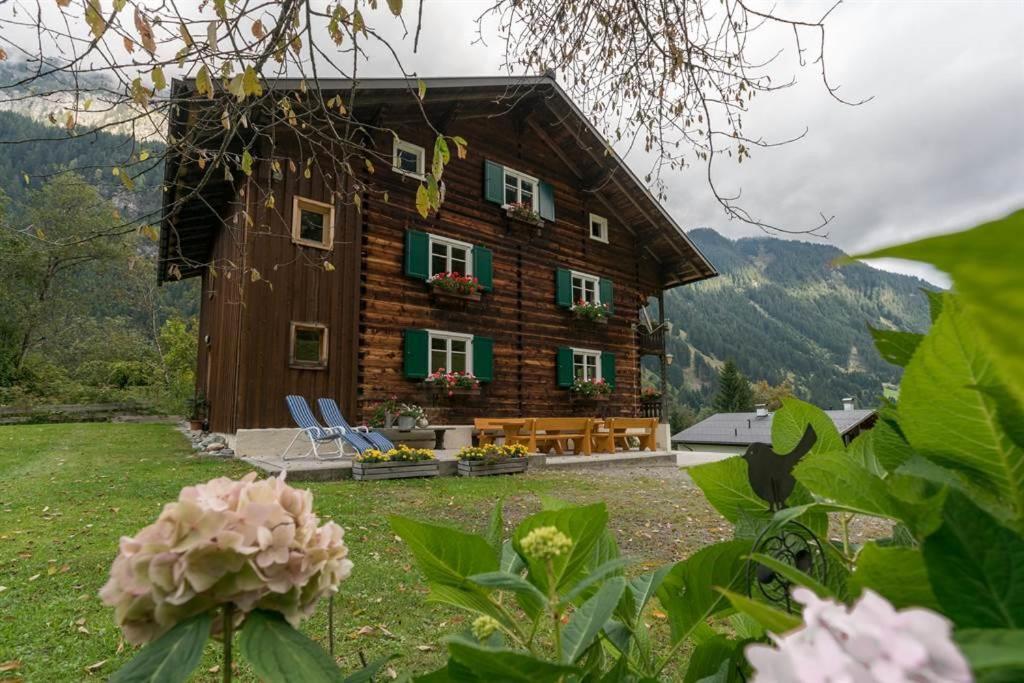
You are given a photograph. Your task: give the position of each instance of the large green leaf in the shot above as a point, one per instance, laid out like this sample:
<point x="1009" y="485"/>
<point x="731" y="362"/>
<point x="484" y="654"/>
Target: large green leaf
<point x="641" y="589"/>
<point x="895" y="346"/>
<point x="888" y="443"/>
<point x="172" y="657"/>
<point x="726" y="486"/>
<point x="790" y="422"/>
<point x="949" y="421"/>
<point x="496" y="529"/>
<point x="470" y="599"/>
<point x="445" y="555"/>
<point x="896" y="573"/>
<point x="992" y="648"/>
<point x="713" y="661"/>
<point x="509" y="582"/>
<point x="687" y="592"/>
<point x="587" y="621"/>
<point x="280" y="654"/>
<point x="588" y="583"/>
<point x="985" y="263"/>
<point x="976" y="568"/>
<point x="500" y="664"/>
<point x="584" y="525"/>
<point x="771" y="618"/>
<point x="366" y="674"/>
<point x="793" y="575"/>
<point x="839" y="479"/>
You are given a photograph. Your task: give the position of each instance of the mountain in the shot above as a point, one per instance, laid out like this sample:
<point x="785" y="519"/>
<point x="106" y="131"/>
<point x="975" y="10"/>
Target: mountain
<point x="783" y="309"/>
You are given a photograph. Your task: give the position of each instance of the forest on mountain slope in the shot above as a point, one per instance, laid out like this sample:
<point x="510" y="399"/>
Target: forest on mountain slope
<point x="785" y="310"/>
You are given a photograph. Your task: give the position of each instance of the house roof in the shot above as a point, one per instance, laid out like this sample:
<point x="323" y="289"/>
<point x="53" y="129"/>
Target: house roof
<point x="186" y="235"/>
<point x="743" y="429"/>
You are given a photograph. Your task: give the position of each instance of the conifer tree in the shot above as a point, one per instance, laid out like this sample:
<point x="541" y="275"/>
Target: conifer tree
<point x="734" y="393"/>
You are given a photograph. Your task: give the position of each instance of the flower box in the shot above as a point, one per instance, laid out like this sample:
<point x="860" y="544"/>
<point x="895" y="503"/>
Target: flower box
<point x="592" y="398"/>
<point x="486" y="468"/>
<point x="447" y="296"/>
<point x="365" y="471"/>
<point x="582" y="317"/>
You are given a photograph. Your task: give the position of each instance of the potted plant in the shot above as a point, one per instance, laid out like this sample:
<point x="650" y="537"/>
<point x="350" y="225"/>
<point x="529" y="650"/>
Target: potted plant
<point x="521" y="211"/>
<point x="455" y="285"/>
<point x="591" y="310"/>
<point x="452" y="383"/>
<point x="590" y="390"/>
<point x="408" y="415"/>
<point x="399" y="463"/>
<point x="650" y="395"/>
<point x="385" y="413"/>
<point x="195" y="408"/>
<point x="482" y="461"/>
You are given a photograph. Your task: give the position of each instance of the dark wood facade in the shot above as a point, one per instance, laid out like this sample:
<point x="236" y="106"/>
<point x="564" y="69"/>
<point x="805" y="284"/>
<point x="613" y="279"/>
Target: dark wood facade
<point x="258" y="281"/>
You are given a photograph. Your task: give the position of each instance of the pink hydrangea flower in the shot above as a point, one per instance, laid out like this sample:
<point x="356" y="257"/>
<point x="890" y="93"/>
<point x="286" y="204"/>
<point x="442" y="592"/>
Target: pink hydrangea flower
<point x="867" y="643"/>
<point x="253" y="543"/>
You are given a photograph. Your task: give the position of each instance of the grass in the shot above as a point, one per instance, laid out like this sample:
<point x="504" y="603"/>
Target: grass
<point x="68" y="492"/>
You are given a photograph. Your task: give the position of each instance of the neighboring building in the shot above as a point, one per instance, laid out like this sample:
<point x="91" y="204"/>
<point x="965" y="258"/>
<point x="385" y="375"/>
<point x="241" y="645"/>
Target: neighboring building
<point x="733" y="432"/>
<point x="277" y="319"/>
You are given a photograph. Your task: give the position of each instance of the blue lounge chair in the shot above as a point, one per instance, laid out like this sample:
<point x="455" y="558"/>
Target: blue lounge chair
<point x="312" y="430"/>
<point x="332" y="415"/>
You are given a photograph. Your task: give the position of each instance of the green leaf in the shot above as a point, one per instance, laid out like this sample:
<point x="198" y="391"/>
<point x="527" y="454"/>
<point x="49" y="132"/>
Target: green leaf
<point x="950" y="422"/>
<point x="396" y="8"/>
<point x="726" y="486"/>
<point x="366" y="674"/>
<point x="894" y="346"/>
<point x="422" y="200"/>
<point x="793" y="575"/>
<point x="584" y="525"/>
<point x="496" y="529"/>
<point x="595" y="576"/>
<point x="687" y="594"/>
<point x="421" y="88"/>
<point x="508" y="582"/>
<point x="279" y="653"/>
<point x="713" y="661"/>
<point x="511" y="562"/>
<point x="992" y="648"/>
<point x="587" y="621"/>
<point x="985" y="265"/>
<point x="771" y="618"/>
<point x="246" y="164"/>
<point x="887" y="440"/>
<point x="642" y="588"/>
<point x="170" y="658"/>
<point x="790" y="422"/>
<point x="976" y="568"/>
<point x="896" y="573"/>
<point x="469" y="599"/>
<point x="500" y="664"/>
<point x="445" y="555"/>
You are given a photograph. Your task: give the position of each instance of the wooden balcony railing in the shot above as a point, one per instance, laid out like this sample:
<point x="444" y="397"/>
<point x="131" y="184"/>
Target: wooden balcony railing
<point x="651" y="342"/>
<point x="650" y="409"/>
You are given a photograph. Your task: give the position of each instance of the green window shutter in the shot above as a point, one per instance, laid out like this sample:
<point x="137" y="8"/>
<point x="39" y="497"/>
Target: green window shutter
<point x="417" y="254"/>
<point x="608" y="368"/>
<point x="483" y="266"/>
<point x="547" y="201"/>
<point x="606" y="291"/>
<point x="564" y="364"/>
<point x="494" y="182"/>
<point x="415" y="353"/>
<point x="563" y="288"/>
<point x="483" y="358"/>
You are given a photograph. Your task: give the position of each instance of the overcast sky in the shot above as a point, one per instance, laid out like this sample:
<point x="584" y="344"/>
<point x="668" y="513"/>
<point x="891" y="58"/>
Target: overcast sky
<point x="940" y="146"/>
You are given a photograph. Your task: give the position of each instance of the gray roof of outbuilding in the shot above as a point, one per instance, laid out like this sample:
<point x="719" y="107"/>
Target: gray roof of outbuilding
<point x="743" y="429"/>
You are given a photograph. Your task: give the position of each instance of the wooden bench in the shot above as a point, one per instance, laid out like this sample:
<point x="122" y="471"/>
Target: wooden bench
<point x="512" y="430"/>
<point x="556" y="432"/>
<point x="618" y="430"/>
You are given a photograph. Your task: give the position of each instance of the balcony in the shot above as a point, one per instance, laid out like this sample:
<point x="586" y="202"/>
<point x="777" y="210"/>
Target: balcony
<point x="651" y="342"/>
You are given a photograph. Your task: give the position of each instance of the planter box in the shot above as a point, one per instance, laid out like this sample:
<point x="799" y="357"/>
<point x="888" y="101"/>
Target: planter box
<point x="592" y="321"/>
<point x="365" y="471"/>
<point x="597" y="398"/>
<point x="485" y="468"/>
<point x="443" y="393"/>
<point x="538" y="223"/>
<point x="443" y="296"/>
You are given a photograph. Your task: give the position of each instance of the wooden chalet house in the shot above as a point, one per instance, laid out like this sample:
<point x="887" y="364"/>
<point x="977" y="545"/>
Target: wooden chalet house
<point x="341" y="307"/>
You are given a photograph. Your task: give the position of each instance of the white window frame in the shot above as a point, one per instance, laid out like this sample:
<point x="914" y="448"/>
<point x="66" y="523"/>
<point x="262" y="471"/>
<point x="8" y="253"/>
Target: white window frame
<point x="519" y="175"/>
<point x="421" y="158"/>
<point x="586" y="277"/>
<point x="596" y="355"/>
<point x="603" y="222"/>
<point x="449" y="242"/>
<point x="448" y="337"/>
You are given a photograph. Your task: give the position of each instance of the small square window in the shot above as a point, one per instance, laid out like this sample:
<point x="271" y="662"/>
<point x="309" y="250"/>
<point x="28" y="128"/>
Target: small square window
<point x="308" y="346"/>
<point x="312" y="223"/>
<point x="409" y="159"/>
<point x="598" y="228"/>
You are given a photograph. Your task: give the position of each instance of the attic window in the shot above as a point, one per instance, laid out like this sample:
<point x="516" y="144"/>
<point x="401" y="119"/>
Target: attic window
<point x="598" y="228"/>
<point x="308" y="346"/>
<point x="312" y="223"/>
<point x="408" y="159"/>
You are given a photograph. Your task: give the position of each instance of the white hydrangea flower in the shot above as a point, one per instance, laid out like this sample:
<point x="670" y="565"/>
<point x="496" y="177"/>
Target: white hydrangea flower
<point x="870" y="642"/>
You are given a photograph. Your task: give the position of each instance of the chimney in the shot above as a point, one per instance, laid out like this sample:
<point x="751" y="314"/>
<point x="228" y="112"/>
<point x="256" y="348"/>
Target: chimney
<point x="848" y="403"/>
<point x="762" y="409"/>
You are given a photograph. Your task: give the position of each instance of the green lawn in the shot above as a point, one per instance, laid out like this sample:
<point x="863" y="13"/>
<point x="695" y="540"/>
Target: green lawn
<point x="68" y="492"/>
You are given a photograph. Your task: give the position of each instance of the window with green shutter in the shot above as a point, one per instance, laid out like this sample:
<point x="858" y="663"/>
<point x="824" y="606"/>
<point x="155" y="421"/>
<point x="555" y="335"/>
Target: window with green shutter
<point x="608" y="368"/>
<point x="563" y="287"/>
<point x="494" y="181"/>
<point x="607" y="290"/>
<point x="483" y="358"/>
<point x="546" y="207"/>
<point x="564" y="368"/>
<point x="416" y="353"/>
<point x="483" y="266"/>
<point x="417" y="254"/>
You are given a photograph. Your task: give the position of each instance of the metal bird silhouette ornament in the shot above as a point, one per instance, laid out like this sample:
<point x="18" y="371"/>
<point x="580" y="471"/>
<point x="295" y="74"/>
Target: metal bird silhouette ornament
<point x="792" y="543"/>
<point x="771" y="474"/>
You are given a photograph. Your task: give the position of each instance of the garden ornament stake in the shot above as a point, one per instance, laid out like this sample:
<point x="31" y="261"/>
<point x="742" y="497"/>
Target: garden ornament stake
<point x="792" y="543"/>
